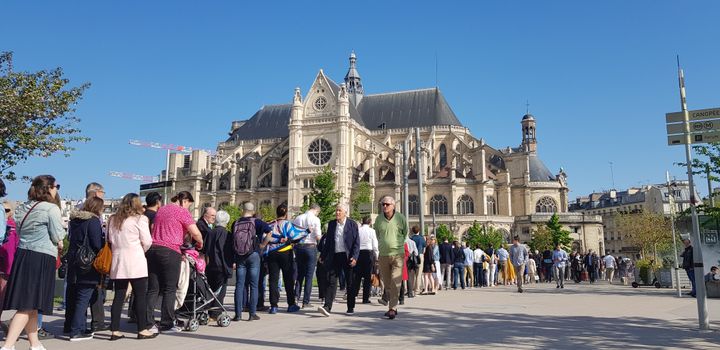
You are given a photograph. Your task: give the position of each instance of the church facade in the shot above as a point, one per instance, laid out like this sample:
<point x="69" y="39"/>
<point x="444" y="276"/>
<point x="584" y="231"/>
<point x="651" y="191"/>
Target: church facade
<point x="272" y="158"/>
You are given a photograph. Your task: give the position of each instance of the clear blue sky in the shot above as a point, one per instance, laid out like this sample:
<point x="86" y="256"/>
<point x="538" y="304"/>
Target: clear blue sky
<point x="599" y="75"/>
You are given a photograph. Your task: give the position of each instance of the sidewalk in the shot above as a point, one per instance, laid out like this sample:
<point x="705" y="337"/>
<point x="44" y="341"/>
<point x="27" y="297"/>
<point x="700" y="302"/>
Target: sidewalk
<point x="581" y="316"/>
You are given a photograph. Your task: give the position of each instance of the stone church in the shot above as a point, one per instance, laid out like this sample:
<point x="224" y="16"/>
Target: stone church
<point x="272" y="157"/>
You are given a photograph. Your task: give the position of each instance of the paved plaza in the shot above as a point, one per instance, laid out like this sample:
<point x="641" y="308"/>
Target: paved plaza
<point x="578" y="317"/>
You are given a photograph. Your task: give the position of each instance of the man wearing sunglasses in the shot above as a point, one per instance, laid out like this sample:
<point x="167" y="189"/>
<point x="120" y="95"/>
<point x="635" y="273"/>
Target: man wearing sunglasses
<point x="391" y="229"/>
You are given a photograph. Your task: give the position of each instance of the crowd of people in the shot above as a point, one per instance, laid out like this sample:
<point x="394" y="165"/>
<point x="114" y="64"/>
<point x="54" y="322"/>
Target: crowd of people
<point x="148" y="243"/>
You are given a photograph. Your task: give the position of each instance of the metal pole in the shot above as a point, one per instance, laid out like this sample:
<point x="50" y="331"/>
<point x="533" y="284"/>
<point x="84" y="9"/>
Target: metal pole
<point x="406" y="173"/>
<point x="167" y="175"/>
<point x="671" y="199"/>
<point x="703" y="320"/>
<point x="420" y="176"/>
<point x="710" y="190"/>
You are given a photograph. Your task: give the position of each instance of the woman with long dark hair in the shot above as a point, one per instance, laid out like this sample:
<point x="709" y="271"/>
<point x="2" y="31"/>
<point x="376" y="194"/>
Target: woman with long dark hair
<point x="31" y="285"/>
<point x="85" y="232"/>
<point x="129" y="238"/>
<point x="171" y="224"/>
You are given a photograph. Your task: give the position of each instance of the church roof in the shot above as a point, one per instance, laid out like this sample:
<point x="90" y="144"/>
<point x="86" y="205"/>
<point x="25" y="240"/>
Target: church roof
<point x="405" y="109"/>
<point x="538" y="171"/>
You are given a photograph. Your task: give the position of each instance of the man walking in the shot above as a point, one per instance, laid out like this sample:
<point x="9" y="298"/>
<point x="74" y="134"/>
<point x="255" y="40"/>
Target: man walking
<point x="559" y="258"/>
<point x="590" y="265"/>
<point x="391" y="229"/>
<point x="366" y="260"/>
<point x="518" y="259"/>
<point x="340" y="253"/>
<point x="609" y="267"/>
<point x="306" y="253"/>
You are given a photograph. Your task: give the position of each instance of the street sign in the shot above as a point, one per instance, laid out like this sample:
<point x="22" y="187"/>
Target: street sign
<point x="695" y="127"/>
<point x="705" y="137"/>
<point x="699" y="114"/>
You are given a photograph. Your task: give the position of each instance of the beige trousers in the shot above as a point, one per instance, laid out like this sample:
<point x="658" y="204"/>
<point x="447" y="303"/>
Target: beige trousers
<point x="391" y="275"/>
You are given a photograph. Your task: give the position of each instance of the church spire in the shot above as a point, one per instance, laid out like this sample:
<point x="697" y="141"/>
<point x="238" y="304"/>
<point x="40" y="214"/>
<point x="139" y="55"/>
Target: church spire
<point x="353" y="81"/>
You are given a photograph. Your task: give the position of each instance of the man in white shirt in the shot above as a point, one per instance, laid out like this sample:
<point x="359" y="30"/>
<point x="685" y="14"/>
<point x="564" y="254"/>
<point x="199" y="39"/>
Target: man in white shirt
<point x="478" y="255"/>
<point x="609" y="261"/>
<point x="306" y="252"/>
<point x="368" y="255"/>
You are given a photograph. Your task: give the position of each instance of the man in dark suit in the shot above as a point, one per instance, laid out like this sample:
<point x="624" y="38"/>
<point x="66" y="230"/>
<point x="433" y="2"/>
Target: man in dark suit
<point x="205" y="223"/>
<point x="340" y="252"/>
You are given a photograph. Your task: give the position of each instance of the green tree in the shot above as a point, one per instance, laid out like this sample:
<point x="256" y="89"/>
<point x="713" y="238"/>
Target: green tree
<point x="707" y="164"/>
<point x="266" y="213"/>
<point x="325" y="195"/>
<point x="542" y="239"/>
<point x="234" y="211"/>
<point x="485" y="237"/>
<point x="442" y="232"/>
<point x="362" y="195"/>
<point x="649" y="232"/>
<point x="558" y="233"/>
<point x="36" y="115"/>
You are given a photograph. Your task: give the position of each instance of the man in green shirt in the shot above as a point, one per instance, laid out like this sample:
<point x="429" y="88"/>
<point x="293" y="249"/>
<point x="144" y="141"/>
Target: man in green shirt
<point x="391" y="229"/>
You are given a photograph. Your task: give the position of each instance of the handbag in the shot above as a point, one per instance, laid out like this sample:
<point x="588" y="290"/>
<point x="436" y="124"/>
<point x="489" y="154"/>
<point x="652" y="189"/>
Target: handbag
<point x="375" y="280"/>
<point x="85" y="256"/>
<point x="103" y="260"/>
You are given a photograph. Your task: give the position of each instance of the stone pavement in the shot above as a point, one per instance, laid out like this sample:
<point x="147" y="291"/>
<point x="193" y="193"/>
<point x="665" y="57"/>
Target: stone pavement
<point x="580" y="316"/>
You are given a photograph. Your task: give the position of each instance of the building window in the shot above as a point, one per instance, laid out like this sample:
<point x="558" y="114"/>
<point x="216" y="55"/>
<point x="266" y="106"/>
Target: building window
<point x="443" y="155"/>
<point x="413" y="205"/>
<point x="465" y="205"/>
<point x="491" y="207"/>
<point x="546" y="205"/>
<point x="439" y="205"/>
<point x="320" y="152"/>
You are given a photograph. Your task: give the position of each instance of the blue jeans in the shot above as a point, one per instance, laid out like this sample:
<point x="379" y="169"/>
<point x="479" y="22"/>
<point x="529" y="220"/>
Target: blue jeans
<point x="247" y="267"/>
<point x="83" y="294"/>
<point x="691" y="275"/>
<point x="306" y="258"/>
<point x="458" y="269"/>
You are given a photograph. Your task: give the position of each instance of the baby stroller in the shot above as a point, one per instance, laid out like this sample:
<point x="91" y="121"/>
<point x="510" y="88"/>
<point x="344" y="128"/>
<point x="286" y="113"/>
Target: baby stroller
<point x="200" y="299"/>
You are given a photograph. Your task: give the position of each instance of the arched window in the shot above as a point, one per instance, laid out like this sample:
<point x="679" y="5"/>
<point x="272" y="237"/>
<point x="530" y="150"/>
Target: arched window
<point x="439" y="204"/>
<point x="465" y="205"/>
<point x="266" y="181"/>
<point x="491" y="208"/>
<point x="413" y="205"/>
<point x="443" y="155"/>
<point x="546" y="205"/>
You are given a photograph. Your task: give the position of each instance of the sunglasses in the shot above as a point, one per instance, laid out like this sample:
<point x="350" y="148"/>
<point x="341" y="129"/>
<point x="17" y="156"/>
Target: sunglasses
<point x="387" y="204"/>
<point x="56" y="186"/>
<point x="7" y="210"/>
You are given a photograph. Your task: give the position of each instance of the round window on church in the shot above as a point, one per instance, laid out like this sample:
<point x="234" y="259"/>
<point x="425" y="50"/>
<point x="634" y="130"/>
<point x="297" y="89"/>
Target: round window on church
<point x="320" y="152"/>
<point x="320" y="103"/>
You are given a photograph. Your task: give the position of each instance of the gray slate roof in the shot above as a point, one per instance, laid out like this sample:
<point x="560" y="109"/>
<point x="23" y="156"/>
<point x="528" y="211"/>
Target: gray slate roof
<point x="406" y="109"/>
<point x="538" y="171"/>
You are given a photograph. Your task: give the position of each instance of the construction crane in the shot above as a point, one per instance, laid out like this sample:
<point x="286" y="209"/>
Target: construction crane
<point x="136" y="177"/>
<point x="169" y="147"/>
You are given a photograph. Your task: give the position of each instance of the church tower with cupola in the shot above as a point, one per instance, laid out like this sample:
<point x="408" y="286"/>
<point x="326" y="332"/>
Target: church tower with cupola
<point x="353" y="82"/>
<point x="529" y="141"/>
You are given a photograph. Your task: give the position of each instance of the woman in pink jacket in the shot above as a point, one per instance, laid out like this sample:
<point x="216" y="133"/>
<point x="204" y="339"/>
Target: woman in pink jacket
<point x="129" y="237"/>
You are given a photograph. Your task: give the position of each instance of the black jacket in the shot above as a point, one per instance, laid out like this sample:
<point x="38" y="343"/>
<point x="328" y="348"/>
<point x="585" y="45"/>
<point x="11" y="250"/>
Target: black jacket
<point x="687" y="256"/>
<point x="351" y="238"/>
<point x="81" y="222"/>
<point x="204" y="228"/>
<point x="458" y="255"/>
<point x="219" y="251"/>
<point x="446" y="253"/>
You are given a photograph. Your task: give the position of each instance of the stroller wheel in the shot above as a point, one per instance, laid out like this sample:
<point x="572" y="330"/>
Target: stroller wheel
<point x="224" y="320"/>
<point x="203" y="319"/>
<point x="192" y="325"/>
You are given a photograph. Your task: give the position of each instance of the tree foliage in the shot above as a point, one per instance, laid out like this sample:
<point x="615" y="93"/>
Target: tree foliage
<point x="325" y="195"/>
<point x="707" y="164"/>
<point x="234" y="211"/>
<point x="480" y="236"/>
<point x="558" y="233"/>
<point x="442" y="232"/>
<point x="36" y="115"/>
<point x="362" y="194"/>
<point x="542" y="239"/>
<point x="649" y="232"/>
<point x="266" y="213"/>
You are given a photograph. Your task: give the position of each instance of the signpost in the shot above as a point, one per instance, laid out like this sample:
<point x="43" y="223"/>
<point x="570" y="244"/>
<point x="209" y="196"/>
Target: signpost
<point x="687" y="137"/>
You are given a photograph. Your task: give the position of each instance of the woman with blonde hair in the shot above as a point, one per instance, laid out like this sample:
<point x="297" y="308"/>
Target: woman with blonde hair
<point x="129" y="238"/>
<point x="31" y="285"/>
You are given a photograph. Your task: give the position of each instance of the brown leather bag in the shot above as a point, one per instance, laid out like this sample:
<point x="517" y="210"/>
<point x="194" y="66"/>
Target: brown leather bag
<point x="103" y="260"/>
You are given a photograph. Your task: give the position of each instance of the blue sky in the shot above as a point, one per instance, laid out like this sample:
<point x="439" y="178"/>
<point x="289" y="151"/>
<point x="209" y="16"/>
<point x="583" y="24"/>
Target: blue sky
<point x="599" y="76"/>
